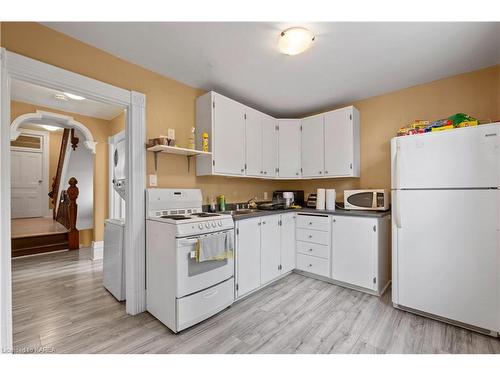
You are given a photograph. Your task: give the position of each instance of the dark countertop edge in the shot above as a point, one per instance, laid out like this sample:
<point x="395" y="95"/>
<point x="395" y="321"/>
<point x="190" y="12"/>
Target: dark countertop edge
<point x="338" y="211"/>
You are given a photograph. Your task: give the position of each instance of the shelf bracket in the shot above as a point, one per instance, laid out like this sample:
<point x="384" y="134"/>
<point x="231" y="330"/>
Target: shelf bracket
<point x="189" y="161"/>
<point x="156" y="160"/>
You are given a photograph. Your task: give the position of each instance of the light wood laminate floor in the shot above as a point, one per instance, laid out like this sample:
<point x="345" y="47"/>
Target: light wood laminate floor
<point x="35" y="226"/>
<point x="61" y="306"/>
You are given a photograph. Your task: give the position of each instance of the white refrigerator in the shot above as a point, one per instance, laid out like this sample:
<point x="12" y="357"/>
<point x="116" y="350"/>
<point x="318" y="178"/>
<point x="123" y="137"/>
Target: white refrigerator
<point x="445" y="225"/>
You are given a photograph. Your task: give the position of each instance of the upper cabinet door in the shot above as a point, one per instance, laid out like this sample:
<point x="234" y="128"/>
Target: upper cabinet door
<point x="269" y="146"/>
<point x="229" y="136"/>
<point x="339" y="146"/>
<point x="289" y="148"/>
<point x="312" y="146"/>
<point x="253" y="142"/>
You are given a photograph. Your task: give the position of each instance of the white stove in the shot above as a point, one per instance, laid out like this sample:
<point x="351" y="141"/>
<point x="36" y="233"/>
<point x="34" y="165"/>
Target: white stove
<point x="182" y="291"/>
<point x="183" y="208"/>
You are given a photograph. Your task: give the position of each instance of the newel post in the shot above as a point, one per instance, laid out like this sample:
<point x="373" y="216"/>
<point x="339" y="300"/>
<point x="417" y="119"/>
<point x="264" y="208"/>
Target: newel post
<point x="73" y="235"/>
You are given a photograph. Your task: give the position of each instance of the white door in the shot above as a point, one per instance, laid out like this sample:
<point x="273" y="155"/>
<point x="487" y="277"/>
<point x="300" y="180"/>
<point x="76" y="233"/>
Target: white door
<point x="339" y="142"/>
<point x="446" y="254"/>
<point x="269" y="146"/>
<point x="289" y="148"/>
<point x="26" y="184"/>
<point x="247" y="256"/>
<point x="353" y="250"/>
<point x="270" y="258"/>
<point x="229" y="136"/>
<point x="287" y="242"/>
<point x="312" y="146"/>
<point x="460" y="158"/>
<point x="253" y="143"/>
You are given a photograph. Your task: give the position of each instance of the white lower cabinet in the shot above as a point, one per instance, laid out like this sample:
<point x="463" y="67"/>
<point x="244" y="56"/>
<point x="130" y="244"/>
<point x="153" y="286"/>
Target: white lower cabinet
<point x="360" y="252"/>
<point x="265" y="250"/>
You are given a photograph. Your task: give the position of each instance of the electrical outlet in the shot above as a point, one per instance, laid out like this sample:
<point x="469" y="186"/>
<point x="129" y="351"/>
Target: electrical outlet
<point x="153" y="181"/>
<point x="171" y="133"/>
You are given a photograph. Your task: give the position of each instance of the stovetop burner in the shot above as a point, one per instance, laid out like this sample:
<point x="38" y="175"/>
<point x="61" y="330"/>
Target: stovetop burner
<point x="204" y="214"/>
<point x="175" y="217"/>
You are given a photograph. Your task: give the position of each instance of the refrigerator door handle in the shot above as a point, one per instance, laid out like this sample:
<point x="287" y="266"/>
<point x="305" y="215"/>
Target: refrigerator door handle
<point x="398" y="209"/>
<point x="398" y="165"/>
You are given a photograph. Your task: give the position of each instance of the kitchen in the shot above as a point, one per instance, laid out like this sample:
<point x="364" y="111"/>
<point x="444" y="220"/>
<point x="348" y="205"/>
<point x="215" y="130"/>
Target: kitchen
<point x="297" y="214"/>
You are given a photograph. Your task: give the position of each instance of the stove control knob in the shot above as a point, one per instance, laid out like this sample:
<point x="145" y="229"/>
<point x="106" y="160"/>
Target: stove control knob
<point x="207" y="225"/>
<point x="219" y="223"/>
<point x="213" y="224"/>
<point x="200" y="226"/>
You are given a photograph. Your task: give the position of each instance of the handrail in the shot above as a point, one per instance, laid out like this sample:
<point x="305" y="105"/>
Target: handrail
<point x="56" y="182"/>
<point x="67" y="213"/>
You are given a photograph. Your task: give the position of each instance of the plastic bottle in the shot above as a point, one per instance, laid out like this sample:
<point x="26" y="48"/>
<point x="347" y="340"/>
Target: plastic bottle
<point x="204" y="142"/>
<point x="191" y="139"/>
<point x="222" y="202"/>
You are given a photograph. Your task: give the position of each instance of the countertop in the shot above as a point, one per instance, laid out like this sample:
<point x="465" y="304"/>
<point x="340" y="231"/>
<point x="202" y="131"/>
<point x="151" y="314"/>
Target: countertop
<point x="338" y="211"/>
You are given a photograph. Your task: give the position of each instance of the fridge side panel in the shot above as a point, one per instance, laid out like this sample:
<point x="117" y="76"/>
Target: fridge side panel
<point x="447" y="255"/>
<point x="460" y="158"/>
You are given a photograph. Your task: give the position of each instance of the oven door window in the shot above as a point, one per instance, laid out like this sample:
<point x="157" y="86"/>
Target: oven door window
<point x="196" y="268"/>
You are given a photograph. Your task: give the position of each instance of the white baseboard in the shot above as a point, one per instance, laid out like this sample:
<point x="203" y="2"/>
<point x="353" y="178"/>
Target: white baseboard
<point x="97" y="250"/>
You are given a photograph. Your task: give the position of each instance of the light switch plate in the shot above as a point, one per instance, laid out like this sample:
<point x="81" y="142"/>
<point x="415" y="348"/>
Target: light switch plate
<point x="153" y="181"/>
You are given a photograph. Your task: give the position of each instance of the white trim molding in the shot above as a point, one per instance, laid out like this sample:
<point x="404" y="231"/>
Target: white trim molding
<point x="15" y="66"/>
<point x="97" y="250"/>
<point x="49" y="118"/>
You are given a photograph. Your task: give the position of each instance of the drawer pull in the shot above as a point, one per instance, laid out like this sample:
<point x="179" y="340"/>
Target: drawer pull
<point x="310" y="249"/>
<point x="310" y="236"/>
<point x="310" y="265"/>
<point x="210" y="294"/>
<point x="310" y="223"/>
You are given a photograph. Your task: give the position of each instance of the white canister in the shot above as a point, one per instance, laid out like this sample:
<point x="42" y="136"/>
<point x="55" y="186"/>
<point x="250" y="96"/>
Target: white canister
<point x="320" y="199"/>
<point x="330" y="199"/>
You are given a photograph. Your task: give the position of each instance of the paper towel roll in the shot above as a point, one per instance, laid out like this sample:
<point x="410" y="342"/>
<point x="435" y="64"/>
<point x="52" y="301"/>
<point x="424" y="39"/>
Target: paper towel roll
<point x="330" y="199"/>
<point x="320" y="199"/>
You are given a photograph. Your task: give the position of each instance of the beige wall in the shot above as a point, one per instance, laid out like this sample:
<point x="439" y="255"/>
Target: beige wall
<point x="172" y="104"/>
<point x="99" y="130"/>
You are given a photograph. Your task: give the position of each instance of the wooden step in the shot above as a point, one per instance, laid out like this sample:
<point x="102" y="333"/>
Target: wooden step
<point x="44" y="243"/>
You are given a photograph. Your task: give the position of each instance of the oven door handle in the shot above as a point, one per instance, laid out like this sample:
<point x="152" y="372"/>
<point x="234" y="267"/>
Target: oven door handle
<point x="190" y="241"/>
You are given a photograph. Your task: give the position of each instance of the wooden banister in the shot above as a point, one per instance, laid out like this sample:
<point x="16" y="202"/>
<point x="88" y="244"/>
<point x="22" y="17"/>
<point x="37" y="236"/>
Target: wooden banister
<point x="67" y="213"/>
<point x="54" y="193"/>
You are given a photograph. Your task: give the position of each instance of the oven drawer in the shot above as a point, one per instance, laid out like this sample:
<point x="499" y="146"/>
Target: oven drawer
<point x="313" y="222"/>
<point x="314" y="236"/>
<point x="199" y="306"/>
<point x="311" y="264"/>
<point x="320" y="251"/>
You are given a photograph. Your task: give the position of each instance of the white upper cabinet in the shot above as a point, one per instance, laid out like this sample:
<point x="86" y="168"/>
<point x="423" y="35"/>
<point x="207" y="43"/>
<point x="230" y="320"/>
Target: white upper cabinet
<point x="289" y="148"/>
<point x="269" y="146"/>
<point x="253" y="143"/>
<point x="342" y="143"/>
<point x="312" y="150"/>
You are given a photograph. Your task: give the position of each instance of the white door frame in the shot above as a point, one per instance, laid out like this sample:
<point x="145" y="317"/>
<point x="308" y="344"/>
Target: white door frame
<point x="46" y="211"/>
<point x="14" y="66"/>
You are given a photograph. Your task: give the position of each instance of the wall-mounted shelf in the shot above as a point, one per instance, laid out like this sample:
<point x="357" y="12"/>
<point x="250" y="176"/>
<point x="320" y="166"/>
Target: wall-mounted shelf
<point x="189" y="153"/>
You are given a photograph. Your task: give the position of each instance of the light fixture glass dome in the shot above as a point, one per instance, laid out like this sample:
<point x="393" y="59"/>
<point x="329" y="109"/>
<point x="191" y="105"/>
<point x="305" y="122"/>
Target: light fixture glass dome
<point x="295" y="40"/>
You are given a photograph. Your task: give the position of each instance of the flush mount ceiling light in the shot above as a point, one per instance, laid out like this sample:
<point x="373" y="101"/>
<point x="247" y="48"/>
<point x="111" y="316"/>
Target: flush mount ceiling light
<point x="50" y="128"/>
<point x="295" y="40"/>
<point x="73" y="96"/>
<point x="61" y="97"/>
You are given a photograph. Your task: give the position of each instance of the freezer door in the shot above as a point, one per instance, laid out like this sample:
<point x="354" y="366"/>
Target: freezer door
<point x="460" y="158"/>
<point x="446" y="258"/>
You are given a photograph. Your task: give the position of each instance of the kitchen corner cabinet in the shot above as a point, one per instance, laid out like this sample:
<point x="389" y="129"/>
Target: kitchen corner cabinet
<point x="224" y="121"/>
<point x="341" y="139"/>
<point x="360" y="252"/>
<point x="265" y="250"/>
<point x="289" y="148"/>
<point x="312" y="146"/>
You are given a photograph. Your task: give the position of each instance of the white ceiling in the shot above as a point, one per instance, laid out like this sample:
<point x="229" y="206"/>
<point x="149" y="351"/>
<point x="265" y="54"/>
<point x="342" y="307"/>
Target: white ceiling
<point x="42" y="96"/>
<point x="348" y="61"/>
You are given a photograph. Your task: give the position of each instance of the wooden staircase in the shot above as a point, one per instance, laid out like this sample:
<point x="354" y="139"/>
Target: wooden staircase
<point x="62" y="232"/>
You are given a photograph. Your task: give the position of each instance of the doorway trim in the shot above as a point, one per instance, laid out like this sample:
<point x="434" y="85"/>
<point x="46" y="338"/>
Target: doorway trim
<point x="15" y="66"/>
<point x="46" y="211"/>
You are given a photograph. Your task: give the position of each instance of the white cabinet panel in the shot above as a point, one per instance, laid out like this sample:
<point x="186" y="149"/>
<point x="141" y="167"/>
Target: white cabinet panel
<point x="269" y="146"/>
<point x="253" y="142"/>
<point x="354" y="243"/>
<point x="287" y="242"/>
<point x="312" y="146"/>
<point x="339" y="145"/>
<point x="229" y="136"/>
<point x="314" y="236"/>
<point x="317" y="266"/>
<point x="289" y="148"/>
<point x="270" y="249"/>
<point x="247" y="256"/>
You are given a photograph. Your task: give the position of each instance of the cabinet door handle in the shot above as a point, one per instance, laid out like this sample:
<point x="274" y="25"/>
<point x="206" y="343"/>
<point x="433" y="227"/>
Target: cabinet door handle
<point x="320" y="172"/>
<point x="243" y="169"/>
<point x="310" y="265"/>
<point x="296" y="173"/>
<point x="310" y="223"/>
<point x="326" y="172"/>
<point x="264" y="223"/>
<point x="265" y="172"/>
<point x="310" y="236"/>
<point x="260" y="172"/>
<point x="310" y="249"/>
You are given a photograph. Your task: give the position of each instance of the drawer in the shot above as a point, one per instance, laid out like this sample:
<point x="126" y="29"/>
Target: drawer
<point x="202" y="305"/>
<point x="314" y="236"/>
<point x="313" y="222"/>
<point x="318" y="266"/>
<point x="321" y="251"/>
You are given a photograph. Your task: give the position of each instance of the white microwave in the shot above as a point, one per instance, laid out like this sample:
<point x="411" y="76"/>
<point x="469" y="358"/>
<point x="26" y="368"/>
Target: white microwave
<point x="372" y="199"/>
